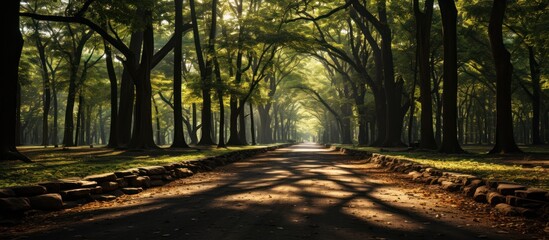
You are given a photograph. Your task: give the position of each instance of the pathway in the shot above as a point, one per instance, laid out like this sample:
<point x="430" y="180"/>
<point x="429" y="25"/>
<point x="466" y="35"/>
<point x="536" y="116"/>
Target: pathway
<point x="300" y="192"/>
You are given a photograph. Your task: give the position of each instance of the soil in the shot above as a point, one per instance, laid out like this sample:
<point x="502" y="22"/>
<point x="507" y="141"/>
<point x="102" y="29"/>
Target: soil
<point x="300" y="192"/>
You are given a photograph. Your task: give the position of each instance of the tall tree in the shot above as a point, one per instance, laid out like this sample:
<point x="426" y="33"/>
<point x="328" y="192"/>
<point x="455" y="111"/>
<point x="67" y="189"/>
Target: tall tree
<point x="423" y="39"/>
<point x="178" y="137"/>
<point x="505" y="140"/>
<point x="450" y="142"/>
<point x="393" y="90"/>
<point x="113" y="135"/>
<point x="127" y="92"/>
<point x="205" y="76"/>
<point x="12" y="45"/>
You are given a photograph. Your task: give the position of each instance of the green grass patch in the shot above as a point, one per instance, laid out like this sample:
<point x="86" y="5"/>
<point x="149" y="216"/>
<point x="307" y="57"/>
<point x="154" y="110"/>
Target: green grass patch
<point x="531" y="168"/>
<point x="56" y="163"/>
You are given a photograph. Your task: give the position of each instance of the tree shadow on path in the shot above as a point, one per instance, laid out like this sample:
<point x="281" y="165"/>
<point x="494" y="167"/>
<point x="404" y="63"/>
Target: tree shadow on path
<point x="301" y="192"/>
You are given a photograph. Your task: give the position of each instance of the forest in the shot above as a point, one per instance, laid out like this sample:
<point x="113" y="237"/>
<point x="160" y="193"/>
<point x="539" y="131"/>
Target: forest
<point x="145" y="74"/>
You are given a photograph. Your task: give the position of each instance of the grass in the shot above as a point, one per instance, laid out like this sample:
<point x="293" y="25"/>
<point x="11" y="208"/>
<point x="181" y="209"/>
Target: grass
<point x="531" y="168"/>
<point x="56" y="163"/>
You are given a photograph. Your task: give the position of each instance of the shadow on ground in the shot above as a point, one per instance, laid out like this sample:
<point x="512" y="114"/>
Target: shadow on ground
<point x="302" y="192"/>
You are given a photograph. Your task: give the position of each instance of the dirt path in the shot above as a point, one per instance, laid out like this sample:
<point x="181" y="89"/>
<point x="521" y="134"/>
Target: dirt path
<point x="301" y="192"/>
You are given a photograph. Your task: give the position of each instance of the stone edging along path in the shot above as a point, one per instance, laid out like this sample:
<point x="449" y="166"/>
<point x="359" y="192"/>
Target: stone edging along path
<point x="508" y="198"/>
<point x="67" y="193"/>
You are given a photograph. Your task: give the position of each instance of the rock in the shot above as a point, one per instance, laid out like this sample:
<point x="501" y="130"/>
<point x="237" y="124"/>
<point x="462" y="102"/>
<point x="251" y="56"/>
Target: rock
<point x="6" y="192"/>
<point x="450" y="186"/>
<point x="51" y="187"/>
<point x="495" y="198"/>
<point x="415" y="175"/>
<point x="96" y="190"/>
<point x="67" y="184"/>
<point x="130" y="178"/>
<point x="121" y="182"/>
<point x="48" y="202"/>
<point x="532" y="193"/>
<point x="14" y="204"/>
<point x="433" y="171"/>
<point x="121" y="174"/>
<point x="131" y="191"/>
<point x="156" y="177"/>
<point x="74" y="194"/>
<point x="524" y="202"/>
<point x="103" y="197"/>
<point x="167" y="178"/>
<point x="152" y="170"/>
<point x="509" y="189"/>
<point x="157" y="183"/>
<point x="476" y="182"/>
<point x="170" y="167"/>
<point x="183" y="172"/>
<point x="117" y="192"/>
<point x="495" y="183"/>
<point x="469" y="190"/>
<point x="29" y="191"/>
<point x="109" y="186"/>
<point x="87" y="184"/>
<point x="105" y="177"/>
<point x="481" y="194"/>
<point x="509" y="210"/>
<point x="141" y="181"/>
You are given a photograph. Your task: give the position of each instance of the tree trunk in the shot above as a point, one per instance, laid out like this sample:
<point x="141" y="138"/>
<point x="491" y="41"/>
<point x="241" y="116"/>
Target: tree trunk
<point x="194" y="138"/>
<point x="233" y="122"/>
<point x="88" y="139"/>
<point x="423" y="38"/>
<point x="392" y="92"/>
<point x="113" y="134"/>
<point x="381" y="116"/>
<point x="450" y="142"/>
<point x="252" y="126"/>
<point x="11" y="47"/>
<point x="205" y="75"/>
<point x="536" y="99"/>
<point x="505" y="140"/>
<point x="178" y="137"/>
<point x="46" y="97"/>
<point x="221" y="140"/>
<point x="242" y="122"/>
<point x="55" y="132"/>
<point x="68" y="134"/>
<point x="127" y="93"/>
<point x="142" y="135"/>
<point x="78" y="134"/>
<point x="266" y="134"/>
<point x="159" y="139"/>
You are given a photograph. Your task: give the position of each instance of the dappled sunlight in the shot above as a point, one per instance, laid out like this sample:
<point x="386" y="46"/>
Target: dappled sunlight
<point x="322" y="197"/>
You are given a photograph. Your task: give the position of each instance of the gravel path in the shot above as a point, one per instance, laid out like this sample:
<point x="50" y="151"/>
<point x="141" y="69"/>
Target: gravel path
<point x="300" y="192"/>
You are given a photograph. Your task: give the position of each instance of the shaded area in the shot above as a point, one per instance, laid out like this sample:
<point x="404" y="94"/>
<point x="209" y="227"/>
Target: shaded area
<point x="301" y="192"/>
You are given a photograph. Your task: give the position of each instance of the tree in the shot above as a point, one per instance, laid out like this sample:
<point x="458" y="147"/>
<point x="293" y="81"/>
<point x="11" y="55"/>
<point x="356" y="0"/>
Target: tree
<point x="423" y="36"/>
<point x="12" y="45"/>
<point x="178" y="138"/>
<point x="142" y="135"/>
<point x="450" y="142"/>
<point x="205" y="76"/>
<point x="505" y="140"/>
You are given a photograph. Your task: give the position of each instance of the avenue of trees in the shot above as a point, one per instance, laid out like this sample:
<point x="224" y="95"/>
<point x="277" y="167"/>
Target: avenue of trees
<point x="140" y="74"/>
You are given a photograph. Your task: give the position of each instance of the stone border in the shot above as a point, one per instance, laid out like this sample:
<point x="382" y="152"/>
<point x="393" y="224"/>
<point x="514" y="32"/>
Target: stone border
<point x="508" y="198"/>
<point x="66" y="193"/>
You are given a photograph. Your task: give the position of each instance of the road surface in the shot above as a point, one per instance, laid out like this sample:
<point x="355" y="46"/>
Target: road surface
<point x="301" y="192"/>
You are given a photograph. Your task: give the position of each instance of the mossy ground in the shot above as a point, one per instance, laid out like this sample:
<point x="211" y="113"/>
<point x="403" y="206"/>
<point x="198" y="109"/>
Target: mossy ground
<point x="56" y="163"/>
<point x="530" y="168"/>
